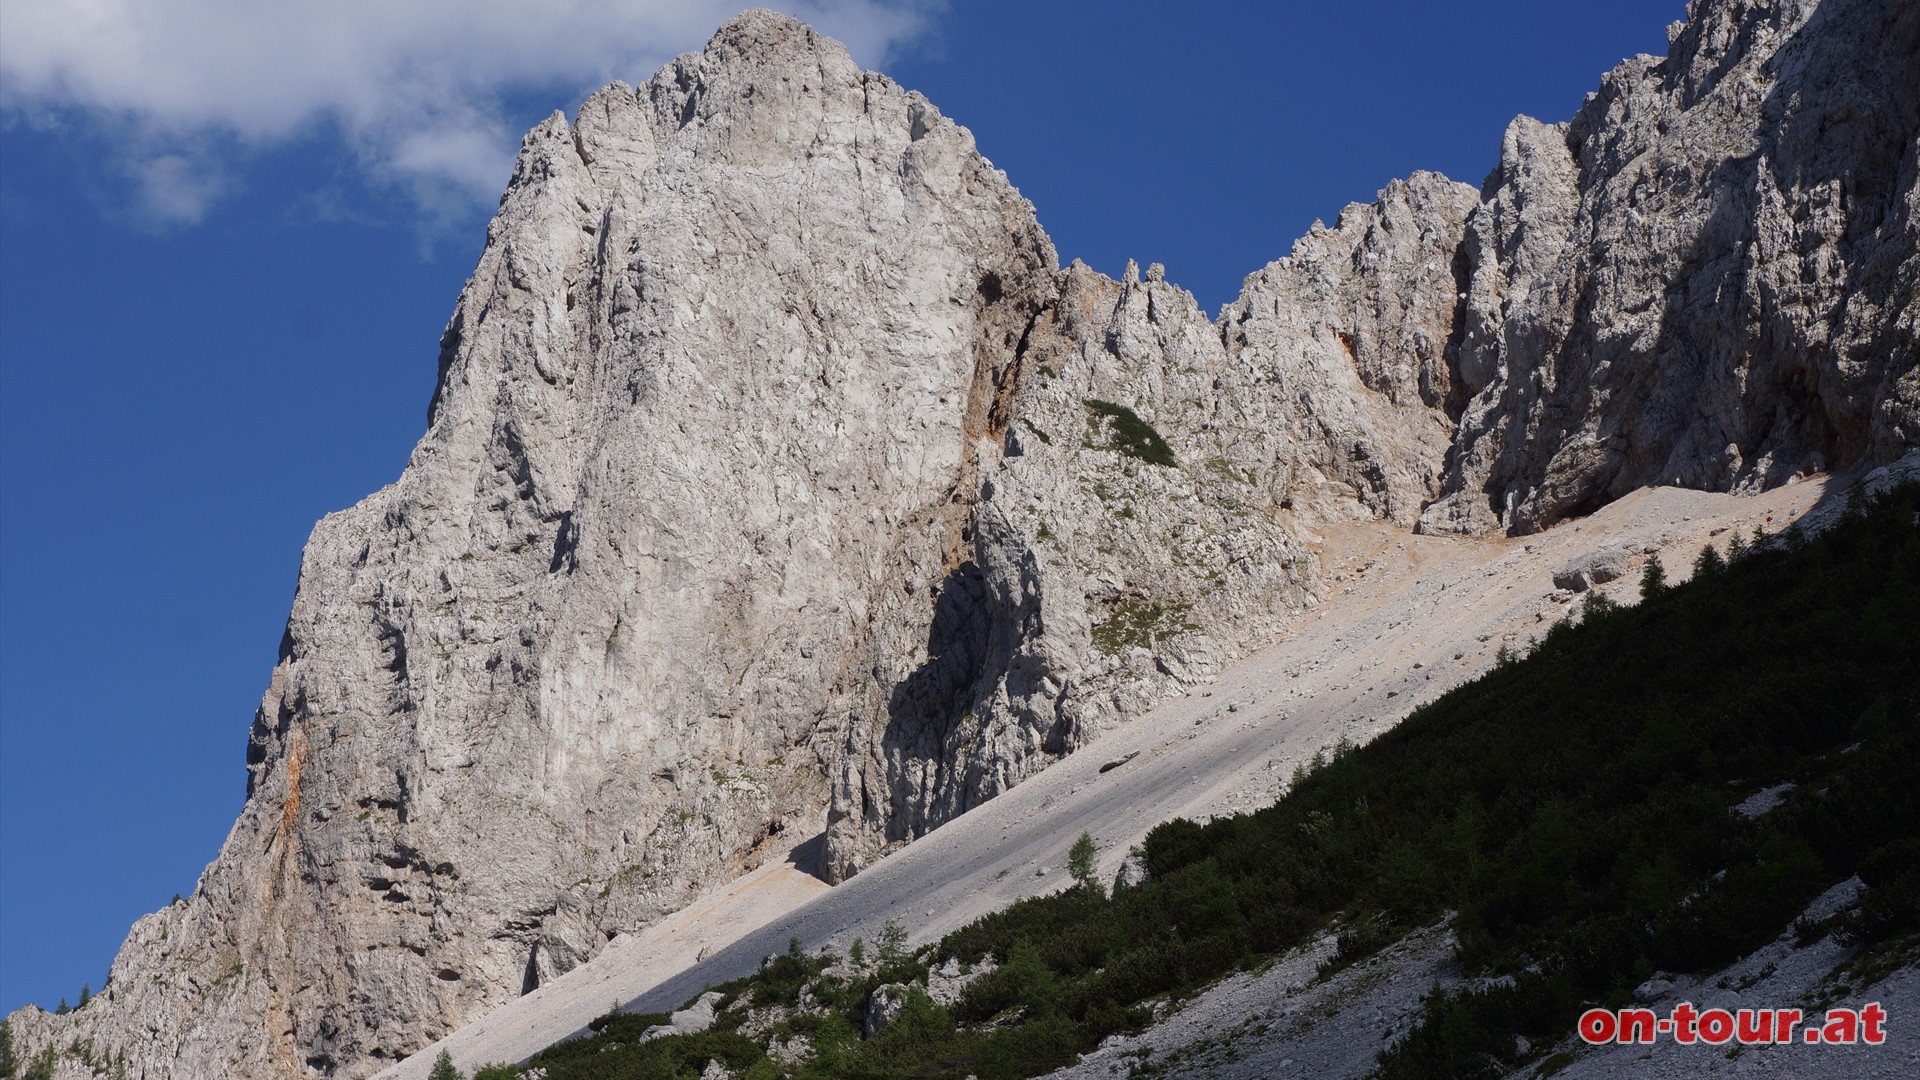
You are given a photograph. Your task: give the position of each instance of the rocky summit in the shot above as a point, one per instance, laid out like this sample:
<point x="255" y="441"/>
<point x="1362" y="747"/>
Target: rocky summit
<point x="779" y="484"/>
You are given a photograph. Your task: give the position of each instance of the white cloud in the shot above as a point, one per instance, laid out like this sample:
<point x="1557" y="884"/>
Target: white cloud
<point x="414" y="85"/>
<point x="177" y="189"/>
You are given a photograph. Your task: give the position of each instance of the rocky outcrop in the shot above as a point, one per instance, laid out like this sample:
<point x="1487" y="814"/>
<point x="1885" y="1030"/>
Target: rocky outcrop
<point x="884" y="1006"/>
<point x="1708" y="278"/>
<point x="1350" y="341"/>
<point x="691" y="1020"/>
<point x="1149" y="516"/>
<point x="778" y="480"/>
<point x="1595" y="569"/>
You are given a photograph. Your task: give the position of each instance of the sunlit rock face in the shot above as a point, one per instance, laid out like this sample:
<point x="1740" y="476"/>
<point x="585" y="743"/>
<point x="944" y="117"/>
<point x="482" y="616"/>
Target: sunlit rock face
<point x="780" y="483"/>
<point x="1708" y="278"/>
<point x="705" y="412"/>
<point x="1148" y="513"/>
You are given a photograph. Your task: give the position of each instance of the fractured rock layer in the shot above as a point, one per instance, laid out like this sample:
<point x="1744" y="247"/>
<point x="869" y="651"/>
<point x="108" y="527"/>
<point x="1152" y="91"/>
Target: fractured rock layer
<point x="777" y="479"/>
<point x="1707" y="278"/>
<point x="1149" y="518"/>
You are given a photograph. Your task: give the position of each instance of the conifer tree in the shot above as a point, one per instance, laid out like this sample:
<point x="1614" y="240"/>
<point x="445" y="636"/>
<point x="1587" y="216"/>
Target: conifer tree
<point x="41" y="1067"/>
<point x="1653" y="581"/>
<point x="1080" y="861"/>
<point x="1709" y="563"/>
<point x="893" y="944"/>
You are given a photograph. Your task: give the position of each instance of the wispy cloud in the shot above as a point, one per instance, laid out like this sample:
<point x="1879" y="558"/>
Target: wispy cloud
<point x="177" y="188"/>
<point x="414" y="87"/>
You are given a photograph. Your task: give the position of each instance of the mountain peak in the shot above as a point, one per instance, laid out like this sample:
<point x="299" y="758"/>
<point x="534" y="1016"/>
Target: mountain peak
<point x="760" y="32"/>
<point x="778" y="487"/>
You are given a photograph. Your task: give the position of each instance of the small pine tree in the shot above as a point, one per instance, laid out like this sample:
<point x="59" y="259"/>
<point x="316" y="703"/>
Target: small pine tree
<point x="833" y="1041"/>
<point x="41" y="1067"/>
<point x="444" y="1068"/>
<point x="1709" y="563"/>
<point x="64" y="1008"/>
<point x="1033" y="982"/>
<point x="1597" y="605"/>
<point x="1653" y="581"/>
<point x="497" y="1072"/>
<point x="1736" y="548"/>
<point x="86" y="995"/>
<point x="858" y="953"/>
<point x="893" y="944"/>
<point x="1080" y="862"/>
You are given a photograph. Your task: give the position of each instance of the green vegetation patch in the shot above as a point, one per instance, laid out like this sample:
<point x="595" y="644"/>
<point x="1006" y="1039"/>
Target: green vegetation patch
<point x="1138" y="622"/>
<point x="1222" y="467"/>
<point x="1037" y="433"/>
<point x="1127" y="433"/>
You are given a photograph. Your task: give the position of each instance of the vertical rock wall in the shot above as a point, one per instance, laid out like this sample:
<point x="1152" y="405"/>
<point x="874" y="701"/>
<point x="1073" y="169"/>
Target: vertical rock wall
<point x="778" y="481"/>
<point x="1708" y="278"/>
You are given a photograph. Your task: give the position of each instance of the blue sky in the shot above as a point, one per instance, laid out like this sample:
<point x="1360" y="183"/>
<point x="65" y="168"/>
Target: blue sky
<point x="228" y="248"/>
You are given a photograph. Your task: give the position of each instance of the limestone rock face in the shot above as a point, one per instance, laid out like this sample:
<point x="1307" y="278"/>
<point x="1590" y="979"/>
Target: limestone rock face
<point x="778" y="480"/>
<point x="775" y="478"/>
<point x="1106" y="566"/>
<point x="1350" y="341"/>
<point x="1149" y="516"/>
<point x="702" y="411"/>
<point x="1708" y="278"/>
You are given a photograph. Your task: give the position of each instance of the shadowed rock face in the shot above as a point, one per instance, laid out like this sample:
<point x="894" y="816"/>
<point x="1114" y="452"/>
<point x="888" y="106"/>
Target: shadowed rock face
<point x="778" y="480"/>
<point x="1103" y="573"/>
<point x="1707" y="278"/>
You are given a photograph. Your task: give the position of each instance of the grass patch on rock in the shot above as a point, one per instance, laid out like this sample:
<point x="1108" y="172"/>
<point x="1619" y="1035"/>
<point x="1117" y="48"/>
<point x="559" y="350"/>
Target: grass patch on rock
<point x="1111" y="426"/>
<point x="1140" y="622"/>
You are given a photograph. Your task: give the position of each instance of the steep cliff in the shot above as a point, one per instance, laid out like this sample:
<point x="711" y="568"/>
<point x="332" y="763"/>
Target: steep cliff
<point x="1151" y="516"/>
<point x="702" y="412"/>
<point x="1707" y="278"/>
<point x="722" y="518"/>
<point x="777" y="480"/>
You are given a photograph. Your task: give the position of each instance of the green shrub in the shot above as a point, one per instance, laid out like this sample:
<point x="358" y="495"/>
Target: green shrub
<point x="1080" y="862"/>
<point x="1128" y="434"/>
